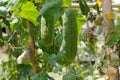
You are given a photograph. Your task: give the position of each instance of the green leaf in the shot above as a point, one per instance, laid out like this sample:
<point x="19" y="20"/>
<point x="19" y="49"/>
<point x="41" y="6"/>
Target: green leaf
<point x="44" y="76"/>
<point x="3" y="11"/>
<point x="81" y="21"/>
<point x="115" y="36"/>
<point x="91" y="49"/>
<point x="13" y="19"/>
<point x="59" y="38"/>
<point x="70" y="76"/>
<point x="12" y="3"/>
<point x="67" y="3"/>
<point x="39" y="1"/>
<point x="48" y="1"/>
<point x="16" y="51"/>
<point x="60" y="58"/>
<point x="57" y="68"/>
<point x="52" y="60"/>
<point x="36" y="77"/>
<point x="84" y="7"/>
<point x="3" y="2"/>
<point x="29" y="12"/>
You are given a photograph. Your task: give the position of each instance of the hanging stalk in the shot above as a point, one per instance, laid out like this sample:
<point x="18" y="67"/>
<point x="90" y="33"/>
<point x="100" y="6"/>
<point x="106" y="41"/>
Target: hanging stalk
<point x="32" y="48"/>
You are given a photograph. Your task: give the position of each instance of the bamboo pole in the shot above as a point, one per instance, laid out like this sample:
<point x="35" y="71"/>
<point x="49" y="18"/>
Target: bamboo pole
<point x="108" y="25"/>
<point x="108" y="28"/>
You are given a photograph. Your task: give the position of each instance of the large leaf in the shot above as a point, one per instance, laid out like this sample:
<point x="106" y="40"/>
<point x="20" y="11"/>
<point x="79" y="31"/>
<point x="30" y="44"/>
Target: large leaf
<point x="29" y="12"/>
<point x="84" y="7"/>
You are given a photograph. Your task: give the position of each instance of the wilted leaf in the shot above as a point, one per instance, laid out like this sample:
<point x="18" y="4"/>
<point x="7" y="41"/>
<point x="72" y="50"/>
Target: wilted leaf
<point x="111" y="71"/>
<point x="110" y="16"/>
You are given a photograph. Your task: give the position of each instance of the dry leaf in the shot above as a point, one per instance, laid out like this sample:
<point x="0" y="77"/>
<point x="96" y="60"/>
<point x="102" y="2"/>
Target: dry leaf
<point x="103" y="78"/>
<point x="111" y="71"/>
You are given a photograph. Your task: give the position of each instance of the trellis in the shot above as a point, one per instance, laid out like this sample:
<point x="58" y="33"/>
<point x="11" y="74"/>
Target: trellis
<point x="76" y="5"/>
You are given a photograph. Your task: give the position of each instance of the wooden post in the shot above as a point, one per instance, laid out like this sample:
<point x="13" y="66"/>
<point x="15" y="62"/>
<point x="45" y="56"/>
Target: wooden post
<point x="108" y="25"/>
<point x="108" y="28"/>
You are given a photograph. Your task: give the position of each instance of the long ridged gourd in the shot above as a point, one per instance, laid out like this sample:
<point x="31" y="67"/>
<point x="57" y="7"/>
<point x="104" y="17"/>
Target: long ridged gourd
<point x="69" y="43"/>
<point x="47" y="31"/>
<point x="50" y="14"/>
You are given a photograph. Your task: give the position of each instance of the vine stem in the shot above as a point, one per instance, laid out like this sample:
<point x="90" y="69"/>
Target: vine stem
<point x="32" y="48"/>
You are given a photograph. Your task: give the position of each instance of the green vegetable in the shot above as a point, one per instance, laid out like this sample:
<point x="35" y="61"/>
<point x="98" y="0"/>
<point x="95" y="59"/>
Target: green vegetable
<point x="68" y="48"/>
<point x="50" y="14"/>
<point x="47" y="31"/>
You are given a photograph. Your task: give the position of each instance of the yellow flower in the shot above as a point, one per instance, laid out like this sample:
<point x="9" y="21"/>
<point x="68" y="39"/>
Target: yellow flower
<point x="99" y="2"/>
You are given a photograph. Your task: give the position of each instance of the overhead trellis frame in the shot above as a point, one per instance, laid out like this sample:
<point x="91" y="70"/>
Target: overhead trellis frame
<point x="76" y="5"/>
